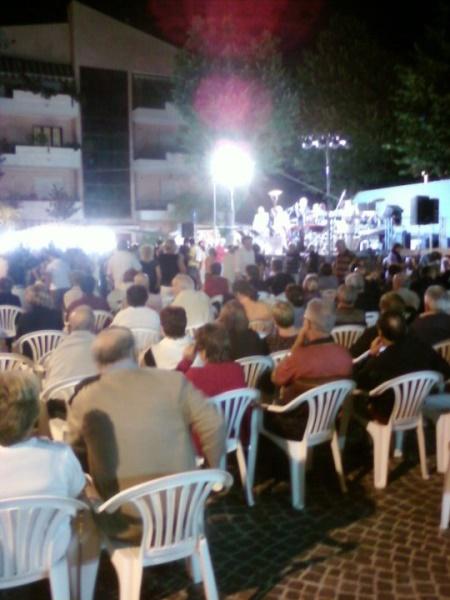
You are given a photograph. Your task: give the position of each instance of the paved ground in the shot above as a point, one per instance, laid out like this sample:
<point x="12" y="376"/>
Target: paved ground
<point x="368" y="545"/>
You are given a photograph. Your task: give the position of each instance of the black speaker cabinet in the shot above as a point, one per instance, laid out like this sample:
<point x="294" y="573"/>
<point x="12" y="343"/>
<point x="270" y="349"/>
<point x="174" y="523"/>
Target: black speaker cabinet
<point x="427" y="210"/>
<point x="187" y="229"/>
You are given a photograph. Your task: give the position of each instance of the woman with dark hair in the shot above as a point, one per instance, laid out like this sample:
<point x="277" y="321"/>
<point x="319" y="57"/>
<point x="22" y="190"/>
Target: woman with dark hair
<point x="243" y="341"/>
<point x="219" y="372"/>
<point x="39" y="313"/>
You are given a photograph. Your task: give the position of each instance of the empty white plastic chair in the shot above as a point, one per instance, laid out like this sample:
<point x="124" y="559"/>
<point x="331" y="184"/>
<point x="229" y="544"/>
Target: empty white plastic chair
<point x="372" y="317"/>
<point x="41" y="343"/>
<point x="102" y="317"/>
<point x="8" y="319"/>
<point x="278" y="356"/>
<point x="444" y="349"/>
<point x="29" y="531"/>
<point x="346" y="335"/>
<point x="233" y="406"/>
<point x="62" y="390"/>
<point x="172" y="512"/>
<point x="409" y="391"/>
<point x="144" y="337"/>
<point x="254" y="367"/>
<point x="9" y="361"/>
<point x="445" y="507"/>
<point x="323" y="403"/>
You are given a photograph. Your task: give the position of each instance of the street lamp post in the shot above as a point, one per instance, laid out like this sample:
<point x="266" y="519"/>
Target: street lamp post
<point x="231" y="166"/>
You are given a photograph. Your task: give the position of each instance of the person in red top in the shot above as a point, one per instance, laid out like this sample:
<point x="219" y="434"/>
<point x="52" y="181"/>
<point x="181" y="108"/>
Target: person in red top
<point x="88" y="298"/>
<point x="215" y="284"/>
<point x="315" y="359"/>
<point x="219" y="373"/>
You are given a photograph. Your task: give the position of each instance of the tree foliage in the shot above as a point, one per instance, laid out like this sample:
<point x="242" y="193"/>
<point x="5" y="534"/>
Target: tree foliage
<point x="245" y="96"/>
<point x="345" y="82"/>
<point x="422" y="105"/>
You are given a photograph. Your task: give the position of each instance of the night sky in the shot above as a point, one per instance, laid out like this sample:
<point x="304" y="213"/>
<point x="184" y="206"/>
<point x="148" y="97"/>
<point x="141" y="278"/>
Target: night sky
<point x="398" y="24"/>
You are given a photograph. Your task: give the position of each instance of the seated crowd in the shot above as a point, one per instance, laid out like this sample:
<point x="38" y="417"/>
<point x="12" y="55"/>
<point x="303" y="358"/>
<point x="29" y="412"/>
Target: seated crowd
<point x="135" y="416"/>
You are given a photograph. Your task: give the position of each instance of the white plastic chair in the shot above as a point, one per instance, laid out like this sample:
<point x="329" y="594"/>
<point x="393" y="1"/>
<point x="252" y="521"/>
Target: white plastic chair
<point x="62" y="390"/>
<point x="444" y="349"/>
<point x="101" y="319"/>
<point x="346" y="335"/>
<point x="410" y="391"/>
<point x="9" y="361"/>
<point x="278" y="356"/>
<point x="324" y="403"/>
<point x="254" y="367"/>
<point x="233" y="406"/>
<point x="172" y="512"/>
<point x="445" y="506"/>
<point x="8" y="318"/>
<point x="372" y="317"/>
<point x="263" y="327"/>
<point x="442" y="442"/>
<point x="361" y="357"/>
<point x="144" y="337"/>
<point x="41" y="343"/>
<point x="29" y="529"/>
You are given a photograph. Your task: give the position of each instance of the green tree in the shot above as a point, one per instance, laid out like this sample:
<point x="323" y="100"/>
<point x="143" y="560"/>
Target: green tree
<point x="245" y="96"/>
<point x="422" y="105"/>
<point x="345" y="82"/>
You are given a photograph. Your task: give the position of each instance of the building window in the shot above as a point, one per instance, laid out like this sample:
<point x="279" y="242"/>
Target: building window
<point x="47" y="136"/>
<point x="151" y="91"/>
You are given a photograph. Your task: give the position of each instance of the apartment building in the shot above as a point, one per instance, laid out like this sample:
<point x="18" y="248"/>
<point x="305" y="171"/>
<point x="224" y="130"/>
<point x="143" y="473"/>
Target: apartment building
<point x="86" y="115"/>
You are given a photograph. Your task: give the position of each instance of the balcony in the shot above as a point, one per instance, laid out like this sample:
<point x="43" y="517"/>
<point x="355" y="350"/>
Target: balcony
<point x="27" y="103"/>
<point x="157" y="116"/>
<point x="173" y="163"/>
<point x="43" y="156"/>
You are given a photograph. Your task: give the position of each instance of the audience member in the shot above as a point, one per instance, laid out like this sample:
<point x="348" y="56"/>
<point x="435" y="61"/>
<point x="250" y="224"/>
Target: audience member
<point x="121" y="261"/>
<point x="39" y="313"/>
<point x="215" y="284"/>
<point x="294" y="295"/>
<point x="137" y="314"/>
<point x="327" y="280"/>
<point x="433" y="325"/>
<point x="248" y="297"/>
<point x="244" y="255"/>
<point x="343" y="261"/>
<point x="276" y="284"/>
<point x="310" y="286"/>
<point x="400" y="286"/>
<point x="88" y="297"/>
<point x="243" y="341"/>
<point x="58" y="275"/>
<point x="168" y="352"/>
<point x="148" y="264"/>
<point x="346" y="313"/>
<point x="170" y="264"/>
<point x="196" y="303"/>
<point x="253" y="276"/>
<point x="75" y="292"/>
<point x="6" y="295"/>
<point x="286" y="333"/>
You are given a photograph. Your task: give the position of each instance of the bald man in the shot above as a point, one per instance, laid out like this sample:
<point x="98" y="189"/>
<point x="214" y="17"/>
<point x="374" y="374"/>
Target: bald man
<point x="134" y="424"/>
<point x="73" y="357"/>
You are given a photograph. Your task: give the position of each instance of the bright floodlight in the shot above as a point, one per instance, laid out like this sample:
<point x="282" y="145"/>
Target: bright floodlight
<point x="231" y="165"/>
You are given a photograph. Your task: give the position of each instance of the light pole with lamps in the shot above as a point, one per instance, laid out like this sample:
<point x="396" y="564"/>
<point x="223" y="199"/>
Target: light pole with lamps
<point x="231" y="166"/>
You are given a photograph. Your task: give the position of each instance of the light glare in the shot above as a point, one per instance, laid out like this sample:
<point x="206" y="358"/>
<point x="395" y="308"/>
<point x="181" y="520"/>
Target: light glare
<point x="231" y="165"/>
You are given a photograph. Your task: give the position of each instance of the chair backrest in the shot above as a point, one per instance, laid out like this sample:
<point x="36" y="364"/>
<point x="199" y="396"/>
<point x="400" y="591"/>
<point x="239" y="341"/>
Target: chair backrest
<point x="10" y="362"/>
<point x="263" y="327"/>
<point x="346" y="335"/>
<point x="41" y="343"/>
<point x="172" y="510"/>
<point x="410" y="391"/>
<point x="372" y="317"/>
<point x="232" y="406"/>
<point x="62" y="390"/>
<point x="254" y="367"/>
<point x="8" y="318"/>
<point x="29" y="529"/>
<point x="444" y="349"/>
<point x="144" y="337"/>
<point x="278" y="356"/>
<point x="101" y="318"/>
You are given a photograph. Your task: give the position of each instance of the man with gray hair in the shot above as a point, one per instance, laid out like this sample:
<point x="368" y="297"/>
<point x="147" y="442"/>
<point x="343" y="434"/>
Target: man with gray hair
<point x="197" y="304"/>
<point x="135" y="424"/>
<point x="433" y="325"/>
<point x="72" y="357"/>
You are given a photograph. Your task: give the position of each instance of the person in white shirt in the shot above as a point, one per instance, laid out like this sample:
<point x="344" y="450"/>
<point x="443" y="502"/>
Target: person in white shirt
<point x="244" y="256"/>
<point x="197" y="304"/>
<point x="58" y="273"/>
<point x="75" y="291"/>
<point x="72" y="357"/>
<point x="31" y="466"/>
<point x="167" y="353"/>
<point x="137" y="314"/>
<point x="120" y="262"/>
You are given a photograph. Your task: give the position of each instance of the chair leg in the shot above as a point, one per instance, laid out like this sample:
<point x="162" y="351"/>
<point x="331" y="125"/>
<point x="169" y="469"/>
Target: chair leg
<point x="442" y="440"/>
<point x="381" y="435"/>
<point x="398" y="449"/>
<point x="194" y="569"/>
<point x="422" y="450"/>
<point x="338" y="462"/>
<point x="129" y="573"/>
<point x="252" y="453"/>
<point x="242" y="469"/>
<point x="347" y="411"/>
<point x="209" y="580"/>
<point x="297" y="463"/>
<point x="59" y="580"/>
<point x="445" y="508"/>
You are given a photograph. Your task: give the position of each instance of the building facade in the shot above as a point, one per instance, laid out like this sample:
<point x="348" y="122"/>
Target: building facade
<point x="86" y="118"/>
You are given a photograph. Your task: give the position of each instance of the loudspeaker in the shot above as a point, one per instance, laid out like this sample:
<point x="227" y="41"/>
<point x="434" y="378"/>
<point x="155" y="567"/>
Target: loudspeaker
<point x="187" y="229"/>
<point x="427" y="210"/>
<point x="406" y="239"/>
